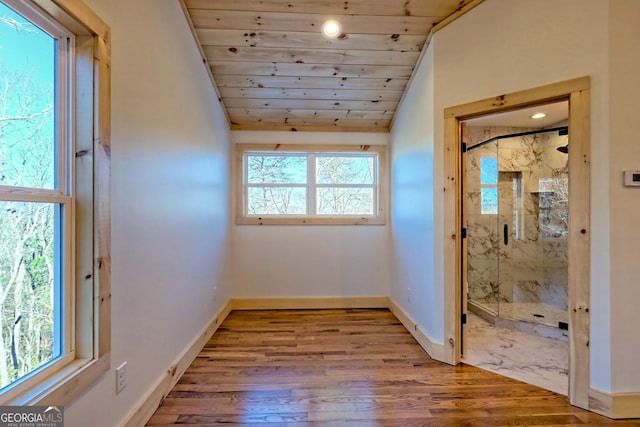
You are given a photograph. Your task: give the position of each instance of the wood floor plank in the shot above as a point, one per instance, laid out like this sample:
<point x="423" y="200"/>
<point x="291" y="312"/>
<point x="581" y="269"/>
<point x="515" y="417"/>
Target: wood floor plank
<point x="347" y="368"/>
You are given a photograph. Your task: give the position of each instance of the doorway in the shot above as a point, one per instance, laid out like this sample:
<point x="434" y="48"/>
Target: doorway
<point x="576" y="92"/>
<point x="515" y="203"/>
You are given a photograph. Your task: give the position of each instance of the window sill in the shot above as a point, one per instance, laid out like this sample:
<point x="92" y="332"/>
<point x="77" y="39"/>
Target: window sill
<point x="311" y="220"/>
<point x="65" y="385"/>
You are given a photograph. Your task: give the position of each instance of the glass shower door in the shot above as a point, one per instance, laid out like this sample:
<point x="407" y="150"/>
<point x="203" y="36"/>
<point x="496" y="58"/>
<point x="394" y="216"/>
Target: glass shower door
<point x="533" y="220"/>
<point x="483" y="282"/>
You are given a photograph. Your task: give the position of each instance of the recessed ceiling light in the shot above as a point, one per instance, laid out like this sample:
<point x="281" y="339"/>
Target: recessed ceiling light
<point x="331" y="28"/>
<point x="539" y="116"/>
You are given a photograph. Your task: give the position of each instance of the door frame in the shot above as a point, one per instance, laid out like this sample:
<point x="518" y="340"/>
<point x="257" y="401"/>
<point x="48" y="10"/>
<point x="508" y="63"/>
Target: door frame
<point x="577" y="92"/>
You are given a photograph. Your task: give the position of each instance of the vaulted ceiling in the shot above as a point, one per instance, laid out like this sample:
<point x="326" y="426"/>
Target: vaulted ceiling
<point x="274" y="70"/>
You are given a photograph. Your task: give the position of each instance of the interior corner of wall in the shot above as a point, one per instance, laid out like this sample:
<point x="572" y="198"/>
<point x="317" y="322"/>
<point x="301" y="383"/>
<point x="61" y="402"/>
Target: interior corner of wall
<point x="435" y="350"/>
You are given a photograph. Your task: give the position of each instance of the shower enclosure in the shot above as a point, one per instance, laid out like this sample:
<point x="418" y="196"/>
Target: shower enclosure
<point x="517" y="223"/>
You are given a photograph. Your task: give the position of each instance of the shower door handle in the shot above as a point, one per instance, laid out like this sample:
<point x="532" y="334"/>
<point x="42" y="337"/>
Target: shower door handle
<point x="505" y="234"/>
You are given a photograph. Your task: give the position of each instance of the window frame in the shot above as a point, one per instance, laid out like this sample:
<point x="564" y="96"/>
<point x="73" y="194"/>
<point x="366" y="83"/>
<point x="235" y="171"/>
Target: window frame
<point x="86" y="193"/>
<point x="380" y="189"/>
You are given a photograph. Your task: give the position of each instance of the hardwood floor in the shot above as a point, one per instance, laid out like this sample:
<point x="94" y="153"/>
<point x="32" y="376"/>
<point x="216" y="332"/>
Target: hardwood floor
<point x="346" y="368"/>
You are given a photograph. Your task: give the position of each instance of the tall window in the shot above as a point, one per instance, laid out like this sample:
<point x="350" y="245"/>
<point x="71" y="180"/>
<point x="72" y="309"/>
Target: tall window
<point x="49" y="333"/>
<point x="489" y="185"/>
<point x="311" y="185"/>
<point x="35" y="199"/>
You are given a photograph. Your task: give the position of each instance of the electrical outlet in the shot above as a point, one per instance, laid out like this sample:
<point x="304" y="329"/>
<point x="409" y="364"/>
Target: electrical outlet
<point x="121" y="377"/>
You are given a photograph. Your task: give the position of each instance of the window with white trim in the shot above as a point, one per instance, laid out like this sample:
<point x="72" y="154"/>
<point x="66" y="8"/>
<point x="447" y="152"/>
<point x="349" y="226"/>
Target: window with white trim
<point x="53" y="132"/>
<point x="297" y="184"/>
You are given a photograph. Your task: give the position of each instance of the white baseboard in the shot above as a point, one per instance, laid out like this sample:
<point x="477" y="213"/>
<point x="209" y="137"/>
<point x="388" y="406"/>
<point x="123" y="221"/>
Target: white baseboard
<point x="149" y="403"/>
<point x="308" y="303"/>
<point x="434" y="350"/>
<point x="615" y="405"/>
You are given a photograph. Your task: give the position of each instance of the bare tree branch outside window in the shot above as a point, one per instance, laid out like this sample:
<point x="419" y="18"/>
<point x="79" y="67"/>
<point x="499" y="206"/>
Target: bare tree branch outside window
<point x="28" y="265"/>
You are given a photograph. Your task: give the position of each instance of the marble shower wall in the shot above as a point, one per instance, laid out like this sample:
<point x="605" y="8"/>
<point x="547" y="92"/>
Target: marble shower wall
<point x="520" y="182"/>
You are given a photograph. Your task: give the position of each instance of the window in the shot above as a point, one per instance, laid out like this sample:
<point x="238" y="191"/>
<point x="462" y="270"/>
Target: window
<point x="35" y="201"/>
<point x="53" y="179"/>
<point x="311" y="185"/>
<point x="489" y="185"/>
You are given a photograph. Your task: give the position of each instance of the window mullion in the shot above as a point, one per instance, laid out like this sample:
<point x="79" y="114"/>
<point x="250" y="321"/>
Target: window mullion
<point x="311" y="184"/>
<point x="34" y="196"/>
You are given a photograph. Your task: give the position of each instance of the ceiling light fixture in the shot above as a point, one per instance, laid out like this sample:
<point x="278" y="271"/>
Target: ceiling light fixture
<point x="539" y="116"/>
<point x="331" y="29"/>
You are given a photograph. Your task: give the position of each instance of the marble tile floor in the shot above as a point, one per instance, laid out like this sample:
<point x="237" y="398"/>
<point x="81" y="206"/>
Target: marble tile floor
<point x="536" y="360"/>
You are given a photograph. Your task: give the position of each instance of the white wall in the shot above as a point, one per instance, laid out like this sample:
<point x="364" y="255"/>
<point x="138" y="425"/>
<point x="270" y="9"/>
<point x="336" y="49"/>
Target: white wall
<point x="300" y="261"/>
<point x="624" y="43"/>
<point x="169" y="202"/>
<point x="504" y="46"/>
<point x="413" y="281"/>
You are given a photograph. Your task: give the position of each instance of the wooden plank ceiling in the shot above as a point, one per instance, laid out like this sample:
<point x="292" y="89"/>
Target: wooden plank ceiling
<point x="274" y="70"/>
